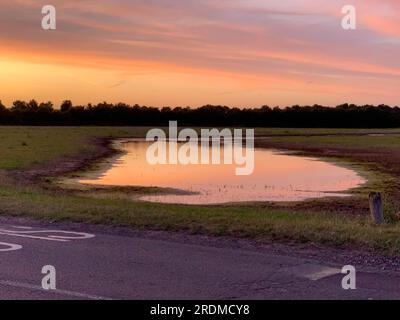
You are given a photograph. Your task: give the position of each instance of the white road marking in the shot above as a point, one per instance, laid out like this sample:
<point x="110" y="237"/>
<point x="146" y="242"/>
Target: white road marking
<point x="32" y="237"/>
<point x="312" y="272"/>
<point x="22" y="227"/>
<point x="9" y="246"/>
<point x="62" y="235"/>
<point x="48" y="235"/>
<point x="56" y="291"/>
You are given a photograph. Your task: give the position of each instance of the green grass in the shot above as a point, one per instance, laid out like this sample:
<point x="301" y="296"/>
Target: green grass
<point x="24" y="147"/>
<point x="389" y="141"/>
<point x="244" y="221"/>
<point x="320" y="131"/>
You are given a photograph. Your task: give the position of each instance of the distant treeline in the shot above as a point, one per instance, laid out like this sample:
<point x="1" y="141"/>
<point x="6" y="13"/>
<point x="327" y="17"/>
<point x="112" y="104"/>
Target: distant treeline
<point x="120" y="114"/>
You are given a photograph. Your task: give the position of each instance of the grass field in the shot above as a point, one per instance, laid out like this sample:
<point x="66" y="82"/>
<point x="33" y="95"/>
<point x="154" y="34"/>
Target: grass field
<point x="344" y="221"/>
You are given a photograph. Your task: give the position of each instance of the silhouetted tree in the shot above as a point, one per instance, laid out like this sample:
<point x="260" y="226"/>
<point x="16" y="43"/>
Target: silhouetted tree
<point x="19" y="106"/>
<point x="33" y="105"/>
<point x="344" y="116"/>
<point x="66" y="106"/>
<point x="45" y="107"/>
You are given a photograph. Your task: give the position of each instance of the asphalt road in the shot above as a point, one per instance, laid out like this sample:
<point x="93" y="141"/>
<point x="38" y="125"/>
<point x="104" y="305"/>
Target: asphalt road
<point x="105" y="265"/>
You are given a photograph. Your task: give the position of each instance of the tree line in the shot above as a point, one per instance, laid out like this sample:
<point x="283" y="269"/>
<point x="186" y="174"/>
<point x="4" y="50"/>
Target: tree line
<point x="121" y="114"/>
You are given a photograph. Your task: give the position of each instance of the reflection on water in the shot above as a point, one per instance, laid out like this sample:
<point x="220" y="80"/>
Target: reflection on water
<point x="276" y="177"/>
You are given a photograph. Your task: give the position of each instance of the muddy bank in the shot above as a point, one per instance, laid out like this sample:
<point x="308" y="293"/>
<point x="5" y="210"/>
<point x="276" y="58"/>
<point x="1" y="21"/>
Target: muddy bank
<point x="39" y="175"/>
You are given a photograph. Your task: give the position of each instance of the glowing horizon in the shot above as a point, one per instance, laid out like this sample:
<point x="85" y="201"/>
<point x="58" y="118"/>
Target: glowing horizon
<point x="192" y="53"/>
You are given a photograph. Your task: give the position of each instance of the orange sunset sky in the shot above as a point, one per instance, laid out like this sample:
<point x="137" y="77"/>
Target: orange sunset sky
<point x="196" y="52"/>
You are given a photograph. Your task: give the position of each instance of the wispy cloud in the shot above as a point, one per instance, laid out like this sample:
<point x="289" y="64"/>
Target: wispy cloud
<point x="268" y="47"/>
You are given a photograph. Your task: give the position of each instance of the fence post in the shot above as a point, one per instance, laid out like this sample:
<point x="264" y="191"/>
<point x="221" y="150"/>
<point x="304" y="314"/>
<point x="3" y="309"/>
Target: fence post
<point x="375" y="205"/>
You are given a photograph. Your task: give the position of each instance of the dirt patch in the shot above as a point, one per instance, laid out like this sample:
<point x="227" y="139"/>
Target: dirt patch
<point x="39" y="175"/>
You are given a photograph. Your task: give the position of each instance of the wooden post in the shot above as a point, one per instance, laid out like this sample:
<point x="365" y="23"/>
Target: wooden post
<point x="375" y="205"/>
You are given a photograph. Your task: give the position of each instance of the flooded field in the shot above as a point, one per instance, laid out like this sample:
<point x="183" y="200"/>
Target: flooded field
<point x="277" y="177"/>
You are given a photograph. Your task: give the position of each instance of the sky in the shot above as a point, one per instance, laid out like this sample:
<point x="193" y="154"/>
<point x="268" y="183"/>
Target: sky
<point x="240" y="53"/>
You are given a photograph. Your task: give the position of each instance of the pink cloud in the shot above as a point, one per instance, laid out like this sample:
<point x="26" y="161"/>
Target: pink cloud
<point x="300" y="41"/>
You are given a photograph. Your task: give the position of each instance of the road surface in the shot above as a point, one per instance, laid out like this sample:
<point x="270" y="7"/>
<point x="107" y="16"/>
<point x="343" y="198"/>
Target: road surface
<point x="94" y="263"/>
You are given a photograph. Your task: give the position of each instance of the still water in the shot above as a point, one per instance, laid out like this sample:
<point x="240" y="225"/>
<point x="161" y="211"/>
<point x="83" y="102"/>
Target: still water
<point x="276" y="177"/>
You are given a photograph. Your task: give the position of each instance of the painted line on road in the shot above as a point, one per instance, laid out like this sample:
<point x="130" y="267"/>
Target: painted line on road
<point x="9" y="246"/>
<point x="52" y="235"/>
<point x="312" y="272"/>
<point x="31" y="237"/>
<point x="44" y="234"/>
<point x="56" y="291"/>
<point x="22" y="227"/>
